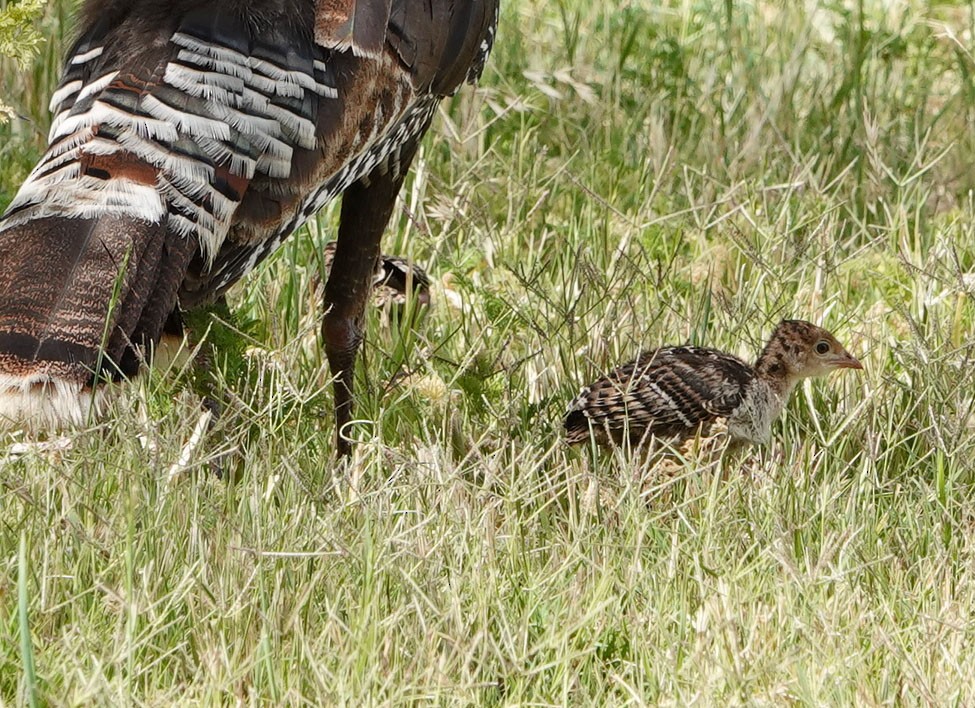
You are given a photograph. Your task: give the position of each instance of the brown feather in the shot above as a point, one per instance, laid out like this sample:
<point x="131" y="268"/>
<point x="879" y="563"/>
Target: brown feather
<point x="356" y="25"/>
<point x="394" y="281"/>
<point x="673" y="392"/>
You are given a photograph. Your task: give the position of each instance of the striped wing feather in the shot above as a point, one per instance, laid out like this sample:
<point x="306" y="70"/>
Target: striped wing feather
<point x="190" y="139"/>
<point x="394" y="281"/>
<point x="668" y="392"/>
<point x="379" y="107"/>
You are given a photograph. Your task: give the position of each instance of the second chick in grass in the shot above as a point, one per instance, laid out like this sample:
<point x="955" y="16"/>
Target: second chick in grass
<point x="395" y="281"/>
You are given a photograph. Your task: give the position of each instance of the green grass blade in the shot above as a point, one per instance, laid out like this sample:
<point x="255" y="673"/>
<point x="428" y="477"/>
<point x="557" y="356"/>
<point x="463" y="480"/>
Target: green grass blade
<point x="23" y="616"/>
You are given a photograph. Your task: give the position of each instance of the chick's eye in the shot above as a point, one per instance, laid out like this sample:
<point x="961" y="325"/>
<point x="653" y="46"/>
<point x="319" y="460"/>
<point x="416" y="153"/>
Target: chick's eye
<point x="822" y="347"/>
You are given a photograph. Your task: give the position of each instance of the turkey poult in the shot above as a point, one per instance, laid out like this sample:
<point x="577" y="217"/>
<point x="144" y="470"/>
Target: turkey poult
<point x="673" y="392"/>
<point x="189" y="139"/>
<point x="394" y="282"/>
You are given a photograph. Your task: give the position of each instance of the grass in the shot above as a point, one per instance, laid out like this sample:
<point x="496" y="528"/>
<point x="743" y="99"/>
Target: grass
<point x="623" y="177"/>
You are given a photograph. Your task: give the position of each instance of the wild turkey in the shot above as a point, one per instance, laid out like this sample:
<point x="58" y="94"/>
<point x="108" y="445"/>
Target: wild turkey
<point x="189" y="139"/>
<point x="672" y="392"/>
<point x="394" y="282"/>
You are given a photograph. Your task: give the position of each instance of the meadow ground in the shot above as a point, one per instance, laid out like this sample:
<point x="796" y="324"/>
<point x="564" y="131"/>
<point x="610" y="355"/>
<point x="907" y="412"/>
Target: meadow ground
<point x="627" y="174"/>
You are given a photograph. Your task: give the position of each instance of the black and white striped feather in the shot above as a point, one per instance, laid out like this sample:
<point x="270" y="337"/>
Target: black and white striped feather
<point x="189" y="139"/>
<point x="394" y="282"/>
<point x="667" y="392"/>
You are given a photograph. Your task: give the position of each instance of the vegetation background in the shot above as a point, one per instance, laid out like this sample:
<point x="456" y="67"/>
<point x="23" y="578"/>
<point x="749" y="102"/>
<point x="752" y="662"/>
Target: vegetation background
<point x="627" y="174"/>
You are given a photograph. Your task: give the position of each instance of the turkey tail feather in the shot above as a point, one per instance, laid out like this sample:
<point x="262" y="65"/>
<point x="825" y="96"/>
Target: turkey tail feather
<point x="81" y="298"/>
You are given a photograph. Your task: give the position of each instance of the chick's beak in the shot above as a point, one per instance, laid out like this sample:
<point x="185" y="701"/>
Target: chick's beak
<point x="847" y="361"/>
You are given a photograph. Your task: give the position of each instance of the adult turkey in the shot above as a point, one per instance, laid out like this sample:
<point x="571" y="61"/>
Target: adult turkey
<point x="189" y="139"/>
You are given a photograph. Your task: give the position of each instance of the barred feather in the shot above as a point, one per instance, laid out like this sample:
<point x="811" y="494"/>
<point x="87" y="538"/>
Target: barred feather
<point x="189" y="140"/>
<point x="669" y="391"/>
<point x="395" y="281"/>
<point x="672" y="392"/>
